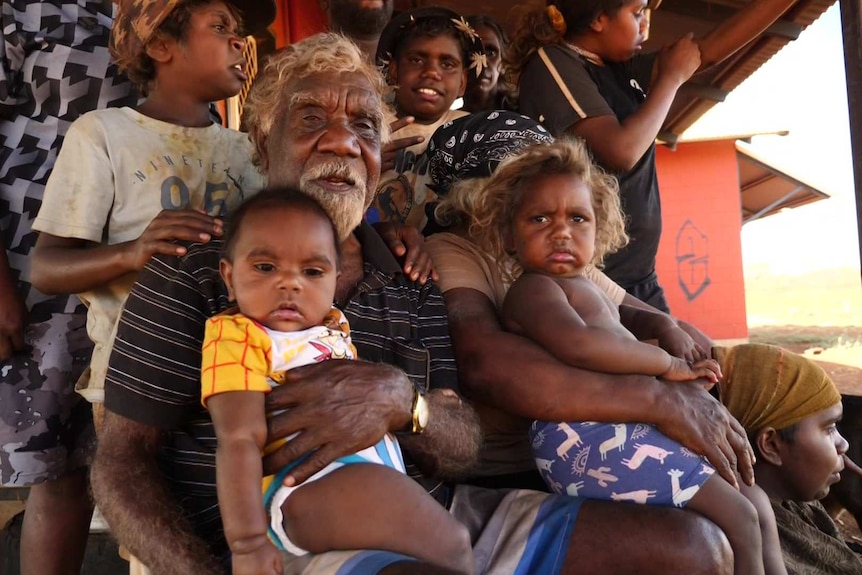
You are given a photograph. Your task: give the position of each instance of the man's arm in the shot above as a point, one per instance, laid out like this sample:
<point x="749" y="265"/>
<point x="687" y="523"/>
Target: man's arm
<point x="130" y="490"/>
<point x="449" y="447"/>
<point x="505" y="370"/>
<point x="342" y="407"/>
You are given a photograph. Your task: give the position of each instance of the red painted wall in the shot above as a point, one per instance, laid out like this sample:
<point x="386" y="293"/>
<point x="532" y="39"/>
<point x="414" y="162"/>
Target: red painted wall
<point x="700" y="254"/>
<point x="295" y="20"/>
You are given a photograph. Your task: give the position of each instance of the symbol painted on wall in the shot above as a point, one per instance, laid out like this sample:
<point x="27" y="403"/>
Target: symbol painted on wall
<point x="692" y="260"/>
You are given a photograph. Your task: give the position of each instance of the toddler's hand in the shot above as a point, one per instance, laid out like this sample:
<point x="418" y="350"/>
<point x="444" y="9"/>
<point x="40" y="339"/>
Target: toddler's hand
<point x="170" y="225"/>
<point x="265" y="560"/>
<point x="678" y="343"/>
<point x="681" y="370"/>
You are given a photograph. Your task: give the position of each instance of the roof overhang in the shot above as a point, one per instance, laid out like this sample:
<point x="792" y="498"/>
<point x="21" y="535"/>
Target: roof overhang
<point x="673" y="19"/>
<point x="765" y="189"/>
<point x="676" y="17"/>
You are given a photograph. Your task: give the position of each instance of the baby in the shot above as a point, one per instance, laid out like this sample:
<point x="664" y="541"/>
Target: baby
<point x="280" y="265"/>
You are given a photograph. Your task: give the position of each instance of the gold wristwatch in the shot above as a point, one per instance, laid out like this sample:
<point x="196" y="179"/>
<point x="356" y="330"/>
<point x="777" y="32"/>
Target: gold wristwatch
<point x="419" y="412"/>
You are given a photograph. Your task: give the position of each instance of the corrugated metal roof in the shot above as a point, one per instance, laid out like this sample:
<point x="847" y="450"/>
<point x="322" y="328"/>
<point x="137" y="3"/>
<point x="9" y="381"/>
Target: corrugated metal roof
<point x="668" y="24"/>
<point x="673" y="19"/>
<point x="766" y="188"/>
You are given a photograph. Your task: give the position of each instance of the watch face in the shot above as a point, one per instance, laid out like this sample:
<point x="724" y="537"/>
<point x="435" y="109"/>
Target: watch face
<point x="422" y="412"/>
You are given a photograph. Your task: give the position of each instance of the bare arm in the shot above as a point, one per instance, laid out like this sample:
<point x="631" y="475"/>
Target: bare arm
<point x="545" y="313"/>
<point x="740" y="29"/>
<point x="72" y="265"/>
<point x="449" y="447"/>
<point x="645" y="323"/>
<point x="504" y="370"/>
<point x="687" y="342"/>
<point x="131" y="491"/>
<point x="342" y="407"/>
<point x="240" y="423"/>
<point x="619" y="146"/>
<point x="13" y="312"/>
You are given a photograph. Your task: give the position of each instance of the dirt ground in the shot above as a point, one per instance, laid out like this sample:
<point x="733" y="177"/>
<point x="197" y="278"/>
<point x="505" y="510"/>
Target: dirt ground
<point x="837" y="349"/>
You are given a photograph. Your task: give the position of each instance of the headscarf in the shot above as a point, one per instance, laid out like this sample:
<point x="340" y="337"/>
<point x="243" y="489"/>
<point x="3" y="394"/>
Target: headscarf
<point x="473" y="146"/>
<point x="768" y="386"/>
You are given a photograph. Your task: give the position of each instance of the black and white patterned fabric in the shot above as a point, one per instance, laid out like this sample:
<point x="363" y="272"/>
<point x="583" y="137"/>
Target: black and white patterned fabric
<point x="54" y="67"/>
<point x="473" y="146"/>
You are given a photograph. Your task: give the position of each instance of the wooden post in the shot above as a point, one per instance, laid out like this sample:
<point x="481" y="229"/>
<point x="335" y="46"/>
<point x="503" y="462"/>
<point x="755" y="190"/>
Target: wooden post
<point x="851" y="26"/>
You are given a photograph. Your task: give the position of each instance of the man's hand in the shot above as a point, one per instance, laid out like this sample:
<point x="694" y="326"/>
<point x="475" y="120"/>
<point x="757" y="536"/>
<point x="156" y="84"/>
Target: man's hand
<point x="263" y="560"/>
<point x="13" y="316"/>
<point x="338" y="407"/>
<point x="691" y="416"/>
<point x="407" y="241"/>
<point x="169" y="226"/>
<point x="679" y="344"/>
<point x="395" y="148"/>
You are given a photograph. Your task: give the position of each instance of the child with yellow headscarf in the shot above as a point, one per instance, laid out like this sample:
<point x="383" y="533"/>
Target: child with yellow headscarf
<point x="790" y="407"/>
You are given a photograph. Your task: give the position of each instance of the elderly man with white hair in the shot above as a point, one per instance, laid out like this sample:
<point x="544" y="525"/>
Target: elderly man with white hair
<point x="316" y="115"/>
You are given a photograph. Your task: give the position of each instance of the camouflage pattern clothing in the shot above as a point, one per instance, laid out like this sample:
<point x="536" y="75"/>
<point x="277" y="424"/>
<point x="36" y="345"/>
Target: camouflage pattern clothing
<point x="54" y="66"/>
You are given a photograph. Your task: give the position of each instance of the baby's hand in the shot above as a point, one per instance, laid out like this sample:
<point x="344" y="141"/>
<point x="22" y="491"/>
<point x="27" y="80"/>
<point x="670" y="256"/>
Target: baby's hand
<point x="681" y="370"/>
<point x="265" y="560"/>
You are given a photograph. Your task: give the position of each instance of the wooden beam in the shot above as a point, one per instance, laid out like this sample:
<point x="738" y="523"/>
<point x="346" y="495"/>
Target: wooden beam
<point x="851" y="28"/>
<point x="706" y="92"/>
<point x="716" y="13"/>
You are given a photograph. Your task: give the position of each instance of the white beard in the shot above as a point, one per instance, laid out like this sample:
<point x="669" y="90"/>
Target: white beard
<point x="345" y="209"/>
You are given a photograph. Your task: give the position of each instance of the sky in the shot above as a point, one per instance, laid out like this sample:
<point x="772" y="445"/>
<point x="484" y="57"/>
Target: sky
<point x="801" y="89"/>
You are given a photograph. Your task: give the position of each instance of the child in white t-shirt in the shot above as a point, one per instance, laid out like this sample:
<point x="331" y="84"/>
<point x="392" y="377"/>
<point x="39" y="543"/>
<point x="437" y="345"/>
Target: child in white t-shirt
<point x="130" y="183"/>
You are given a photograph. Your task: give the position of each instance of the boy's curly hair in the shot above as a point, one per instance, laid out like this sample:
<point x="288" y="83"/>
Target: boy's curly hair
<point x="492" y="206"/>
<point x="137" y="65"/>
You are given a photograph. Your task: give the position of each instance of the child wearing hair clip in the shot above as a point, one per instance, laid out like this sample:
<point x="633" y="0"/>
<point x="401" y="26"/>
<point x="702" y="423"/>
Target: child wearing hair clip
<point x="426" y="54"/>
<point x="579" y="69"/>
